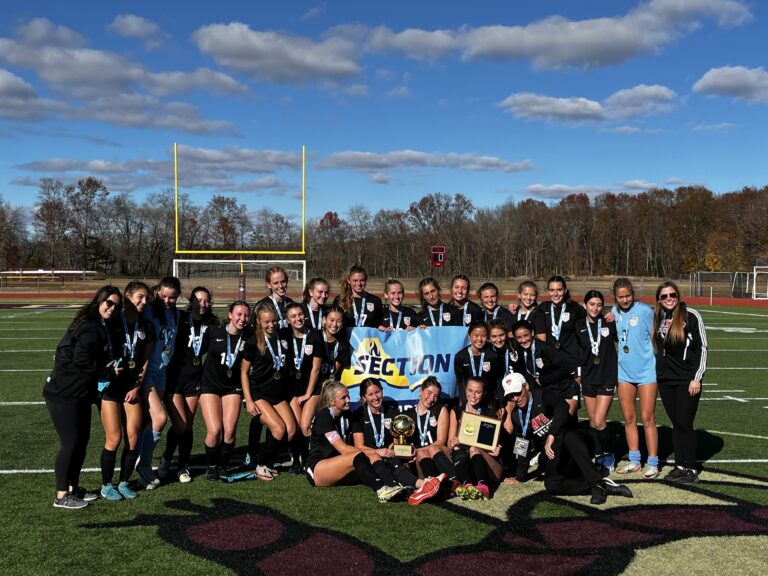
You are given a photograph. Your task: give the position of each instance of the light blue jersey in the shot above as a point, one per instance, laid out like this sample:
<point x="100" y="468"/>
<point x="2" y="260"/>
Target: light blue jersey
<point x="637" y="363"/>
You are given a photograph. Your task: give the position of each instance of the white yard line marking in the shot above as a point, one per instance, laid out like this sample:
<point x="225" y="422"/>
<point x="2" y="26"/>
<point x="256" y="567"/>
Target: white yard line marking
<point x="733" y="313"/>
<point x="21" y="403"/>
<point x="742" y="400"/>
<point x="739" y="434"/>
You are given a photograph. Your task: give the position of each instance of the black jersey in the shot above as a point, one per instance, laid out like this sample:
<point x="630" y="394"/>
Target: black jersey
<point x="443" y="315"/>
<point x="301" y="356"/>
<point x="191" y="347"/>
<point x="336" y="356"/>
<point x="269" y="369"/>
<point x="81" y="361"/>
<point x="404" y="318"/>
<point x="426" y="425"/>
<point x="314" y="319"/>
<point x="603" y="368"/>
<point x="470" y="312"/>
<point x="686" y="360"/>
<point x="326" y="429"/>
<point x="487" y="365"/>
<point x="373" y="427"/>
<point x="282" y="320"/>
<point x="522" y="417"/>
<point x="535" y="318"/>
<point x="364" y="311"/>
<point x="138" y="341"/>
<point x="546" y="364"/>
<point x="221" y="371"/>
<point x="499" y="313"/>
<point x="560" y="322"/>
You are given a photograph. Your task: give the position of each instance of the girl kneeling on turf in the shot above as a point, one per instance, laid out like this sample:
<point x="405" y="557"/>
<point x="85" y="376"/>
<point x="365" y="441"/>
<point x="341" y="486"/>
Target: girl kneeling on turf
<point x="332" y="460"/>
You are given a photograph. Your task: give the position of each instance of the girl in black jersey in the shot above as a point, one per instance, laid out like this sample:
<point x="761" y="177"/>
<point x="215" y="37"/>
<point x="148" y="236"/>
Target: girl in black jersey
<point x="268" y="390"/>
<point x="121" y="400"/>
<point x="315" y="297"/>
<point x="498" y="336"/>
<point x="546" y="366"/>
<point x="434" y="312"/>
<point x="598" y="372"/>
<point x="526" y="307"/>
<point x="332" y="460"/>
<point x="305" y="359"/>
<point x="221" y="391"/>
<point x="84" y="363"/>
<point x="431" y="435"/>
<point x="478" y="360"/>
<point x="370" y="429"/>
<point x="360" y="307"/>
<point x="186" y="370"/>
<point x="336" y="354"/>
<point x="395" y="315"/>
<point x="475" y="467"/>
<point x="460" y="299"/>
<point x="276" y="280"/>
<point x="680" y="345"/>
<point x="489" y="298"/>
<point x="560" y="317"/>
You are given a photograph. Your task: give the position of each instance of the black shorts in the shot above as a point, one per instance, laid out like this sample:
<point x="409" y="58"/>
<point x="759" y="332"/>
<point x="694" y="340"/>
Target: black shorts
<point x="309" y="473"/>
<point x="274" y="394"/>
<point x="116" y="391"/>
<point x="567" y="389"/>
<point x="593" y="390"/>
<point x="221" y="391"/>
<point x="190" y="388"/>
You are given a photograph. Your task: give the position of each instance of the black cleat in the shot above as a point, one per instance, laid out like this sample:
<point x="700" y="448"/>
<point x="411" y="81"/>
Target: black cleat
<point x="613" y="489"/>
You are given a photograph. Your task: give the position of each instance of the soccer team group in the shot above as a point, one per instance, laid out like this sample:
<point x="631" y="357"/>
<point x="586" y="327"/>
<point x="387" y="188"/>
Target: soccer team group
<point x="144" y="362"/>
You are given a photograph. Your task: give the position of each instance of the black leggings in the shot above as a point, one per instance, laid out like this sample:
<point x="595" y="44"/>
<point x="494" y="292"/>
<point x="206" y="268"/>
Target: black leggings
<point x="681" y="408"/>
<point x="73" y="425"/>
<point x="571" y="472"/>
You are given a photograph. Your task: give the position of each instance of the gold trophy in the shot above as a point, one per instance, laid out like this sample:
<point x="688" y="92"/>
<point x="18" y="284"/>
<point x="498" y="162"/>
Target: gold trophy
<point x="402" y="427"/>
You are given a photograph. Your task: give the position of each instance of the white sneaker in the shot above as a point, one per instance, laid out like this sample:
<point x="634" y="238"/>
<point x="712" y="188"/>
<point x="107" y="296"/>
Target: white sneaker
<point x="387" y="493"/>
<point x="184" y="476"/>
<point x="629" y="468"/>
<point x="650" y="472"/>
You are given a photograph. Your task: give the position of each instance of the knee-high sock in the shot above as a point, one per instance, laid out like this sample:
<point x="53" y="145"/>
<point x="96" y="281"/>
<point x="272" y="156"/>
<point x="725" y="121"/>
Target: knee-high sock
<point x="428" y="467"/>
<point x="445" y="466"/>
<point x="382" y="471"/>
<point x="269" y="451"/>
<point x="108" y="458"/>
<point x="366" y="473"/>
<point x="171" y="443"/>
<point x="185" y="448"/>
<point x="149" y="439"/>
<point x="213" y="454"/>
<point x="479" y="468"/>
<point x="254" y="439"/>
<point x="226" y="453"/>
<point x="128" y="463"/>
<point x="461" y="465"/>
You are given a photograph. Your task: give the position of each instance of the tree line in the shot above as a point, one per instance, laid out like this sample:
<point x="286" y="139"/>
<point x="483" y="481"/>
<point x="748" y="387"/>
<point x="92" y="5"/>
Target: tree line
<point x="659" y="232"/>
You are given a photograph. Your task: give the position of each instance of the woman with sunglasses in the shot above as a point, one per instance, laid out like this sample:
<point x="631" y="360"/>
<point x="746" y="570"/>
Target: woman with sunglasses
<point x="680" y="343"/>
<point x="84" y="364"/>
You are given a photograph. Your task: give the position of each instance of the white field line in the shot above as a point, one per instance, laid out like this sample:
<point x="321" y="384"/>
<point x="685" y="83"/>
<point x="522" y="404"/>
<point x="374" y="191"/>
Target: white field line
<point x="734" y="313"/>
<point x="21" y="403"/>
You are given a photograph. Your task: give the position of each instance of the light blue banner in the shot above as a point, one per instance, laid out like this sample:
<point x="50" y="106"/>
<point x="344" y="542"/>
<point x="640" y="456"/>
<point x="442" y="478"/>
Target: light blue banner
<point x="401" y="360"/>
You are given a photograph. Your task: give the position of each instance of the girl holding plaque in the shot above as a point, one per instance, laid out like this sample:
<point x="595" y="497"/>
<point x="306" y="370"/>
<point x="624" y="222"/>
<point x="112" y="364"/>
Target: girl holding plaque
<point x="332" y="460"/>
<point x="475" y="467"/>
<point x="221" y="391"/>
<point x="460" y="299"/>
<point x="680" y="343"/>
<point x="396" y="316"/>
<point x="268" y="390"/>
<point x="186" y="370"/>
<point x="83" y="365"/>
<point x="360" y="307"/>
<point x="598" y="371"/>
<point x="489" y="298"/>
<point x="314" y="299"/>
<point x="276" y="280"/>
<point x="121" y="400"/>
<point x="164" y="316"/>
<point x="305" y="360"/>
<point x="434" y="312"/>
<point x="637" y="376"/>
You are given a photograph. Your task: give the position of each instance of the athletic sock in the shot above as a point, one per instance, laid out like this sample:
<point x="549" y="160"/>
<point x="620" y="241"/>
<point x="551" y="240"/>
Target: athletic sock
<point x="226" y="453"/>
<point x="653" y="461"/>
<point x="461" y="465"/>
<point x="382" y="471"/>
<point x="366" y="473"/>
<point x="185" y="448"/>
<point x="428" y="467"/>
<point x="597" y="440"/>
<point x="445" y="466"/>
<point x="479" y="468"/>
<point x="304" y="449"/>
<point x="254" y="439"/>
<point x="108" y="458"/>
<point x="634" y="457"/>
<point x="128" y="463"/>
<point x="268" y="451"/>
<point x="296" y="445"/>
<point x="171" y="443"/>
<point x="213" y="455"/>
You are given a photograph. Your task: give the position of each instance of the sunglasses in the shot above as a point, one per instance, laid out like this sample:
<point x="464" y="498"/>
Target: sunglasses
<point x="110" y="303"/>
<point x="672" y="295"/>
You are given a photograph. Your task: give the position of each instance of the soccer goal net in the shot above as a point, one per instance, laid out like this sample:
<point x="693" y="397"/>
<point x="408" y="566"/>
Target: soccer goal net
<point x="237" y="279"/>
<point x="720" y="284"/>
<point x="760" y="283"/>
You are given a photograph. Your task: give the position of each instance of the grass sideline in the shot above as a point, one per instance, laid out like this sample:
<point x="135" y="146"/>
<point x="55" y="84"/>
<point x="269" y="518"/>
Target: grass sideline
<point x="162" y="528"/>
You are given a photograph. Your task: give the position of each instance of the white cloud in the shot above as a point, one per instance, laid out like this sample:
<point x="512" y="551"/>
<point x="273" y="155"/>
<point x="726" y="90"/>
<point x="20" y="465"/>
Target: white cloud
<point x="635" y="185"/>
<point x="167" y="83"/>
<point x="641" y="100"/>
<point x="399" y="93"/>
<point x="402" y="159"/>
<point x="750" y="84"/>
<point x="314" y="12"/>
<point x="379" y="178"/>
<point x="42" y="31"/>
<point x="719" y="127"/>
<point x="132" y="26"/>
<point x="559" y="191"/>
<point x="267" y="55"/>
<point x="625" y="130"/>
<point x="18" y="99"/>
<point x="673" y="180"/>
<point x="414" y="43"/>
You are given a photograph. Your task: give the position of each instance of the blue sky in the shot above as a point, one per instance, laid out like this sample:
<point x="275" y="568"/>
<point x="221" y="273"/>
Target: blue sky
<point x="394" y="100"/>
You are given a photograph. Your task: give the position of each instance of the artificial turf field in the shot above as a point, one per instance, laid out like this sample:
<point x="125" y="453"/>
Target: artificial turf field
<point x="719" y="526"/>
